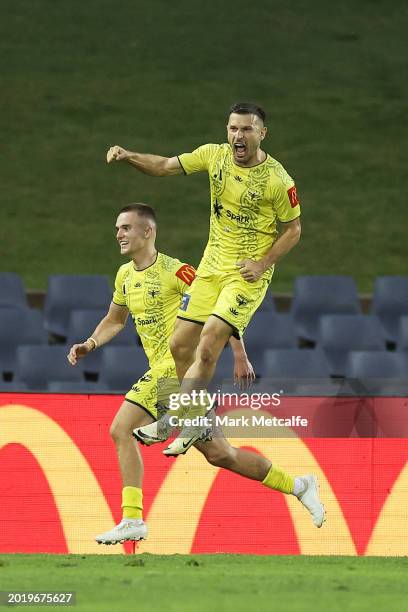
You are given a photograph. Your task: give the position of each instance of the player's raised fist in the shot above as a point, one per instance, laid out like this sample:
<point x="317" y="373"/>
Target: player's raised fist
<point x="117" y="153"/>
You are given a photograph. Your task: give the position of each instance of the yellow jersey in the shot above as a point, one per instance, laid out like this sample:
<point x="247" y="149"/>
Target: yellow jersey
<point x="246" y="204"/>
<point x="153" y="297"/>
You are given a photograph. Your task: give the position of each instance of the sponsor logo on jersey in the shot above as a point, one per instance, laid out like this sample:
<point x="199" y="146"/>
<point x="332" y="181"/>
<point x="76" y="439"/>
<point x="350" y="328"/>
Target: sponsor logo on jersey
<point x="292" y="195"/>
<point x="238" y="178"/>
<point x="148" y="321"/>
<point x="239" y="218"/>
<point x="153" y="293"/>
<point x="135" y="388"/>
<point x="185" y="300"/>
<point x="137" y="285"/>
<point x="233" y="311"/>
<point x="186" y="273"/>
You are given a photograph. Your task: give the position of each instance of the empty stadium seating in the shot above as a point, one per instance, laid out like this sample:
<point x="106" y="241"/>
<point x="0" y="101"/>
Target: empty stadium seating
<point x="19" y="325"/>
<point x="318" y="295"/>
<point x="122" y="366"/>
<point x="340" y="334"/>
<point x="38" y="365"/>
<point x="73" y="292"/>
<point x="390" y="301"/>
<point x="12" y="290"/>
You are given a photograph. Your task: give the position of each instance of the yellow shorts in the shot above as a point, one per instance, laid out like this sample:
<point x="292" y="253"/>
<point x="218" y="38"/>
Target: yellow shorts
<point x="226" y="296"/>
<point x="151" y="392"/>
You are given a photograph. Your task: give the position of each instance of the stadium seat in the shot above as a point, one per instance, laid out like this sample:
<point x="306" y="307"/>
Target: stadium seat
<point x="83" y="322"/>
<point x="12" y="387"/>
<point x="19" y="325"/>
<point x="225" y="366"/>
<point x="37" y="365"/>
<point x="340" y="334"/>
<point x="77" y="387"/>
<point x="318" y="295"/>
<point x="122" y="366"/>
<point x="268" y="330"/>
<point x="291" y="367"/>
<point x="390" y="301"/>
<point x="73" y="292"/>
<point x="402" y="338"/>
<point x="12" y="291"/>
<point x="374" y="370"/>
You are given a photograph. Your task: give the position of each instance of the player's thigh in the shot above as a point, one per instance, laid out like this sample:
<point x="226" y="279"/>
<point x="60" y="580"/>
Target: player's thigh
<point x="238" y="302"/>
<point x="129" y="417"/>
<point x="214" y="336"/>
<point x="186" y="335"/>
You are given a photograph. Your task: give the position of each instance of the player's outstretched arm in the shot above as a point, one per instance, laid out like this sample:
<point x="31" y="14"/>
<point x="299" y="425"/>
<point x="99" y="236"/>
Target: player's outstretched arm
<point x="244" y="374"/>
<point x="107" y="329"/>
<point x="154" y="165"/>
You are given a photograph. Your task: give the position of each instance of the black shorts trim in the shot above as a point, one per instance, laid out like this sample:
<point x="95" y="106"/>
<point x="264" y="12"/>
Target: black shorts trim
<point x="182" y="167"/>
<point x="235" y="331"/>
<point x="142" y="407"/>
<point x="191" y="320"/>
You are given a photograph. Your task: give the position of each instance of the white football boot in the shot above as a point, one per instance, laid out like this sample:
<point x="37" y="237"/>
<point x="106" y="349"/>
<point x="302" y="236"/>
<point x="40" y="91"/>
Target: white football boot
<point x="159" y="431"/>
<point x="186" y="438"/>
<point x="311" y="501"/>
<point x="127" y="530"/>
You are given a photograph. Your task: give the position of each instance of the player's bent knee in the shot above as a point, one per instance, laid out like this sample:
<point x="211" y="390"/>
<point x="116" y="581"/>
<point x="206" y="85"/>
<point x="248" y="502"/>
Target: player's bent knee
<point x="219" y="457"/>
<point x="118" y="431"/>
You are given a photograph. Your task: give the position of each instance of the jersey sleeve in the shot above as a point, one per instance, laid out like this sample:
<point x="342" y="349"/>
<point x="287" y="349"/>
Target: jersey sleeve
<point x="185" y="274"/>
<point x="119" y="293"/>
<point x="198" y="160"/>
<point x="285" y="202"/>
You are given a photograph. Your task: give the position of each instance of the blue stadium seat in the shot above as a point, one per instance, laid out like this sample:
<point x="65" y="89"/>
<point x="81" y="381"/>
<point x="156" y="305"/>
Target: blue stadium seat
<point x="402" y="339"/>
<point x="77" y="387"/>
<point x="19" y="325"/>
<point x="83" y="322"/>
<point x="390" y="301"/>
<point x="73" y="292"/>
<point x="318" y="295"/>
<point x="268" y="330"/>
<point x="291" y="367"/>
<point x="12" y="387"/>
<point x="37" y="365"/>
<point x="225" y="366"/>
<point x="374" y="368"/>
<point x="12" y="291"/>
<point x="122" y="366"/>
<point x="340" y="334"/>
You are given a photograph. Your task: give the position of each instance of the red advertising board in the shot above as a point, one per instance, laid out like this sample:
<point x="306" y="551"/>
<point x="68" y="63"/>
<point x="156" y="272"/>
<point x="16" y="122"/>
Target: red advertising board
<point x="60" y="480"/>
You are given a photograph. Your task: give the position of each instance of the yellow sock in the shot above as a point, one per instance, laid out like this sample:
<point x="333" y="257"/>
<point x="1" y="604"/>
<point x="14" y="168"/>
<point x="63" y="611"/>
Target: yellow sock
<point x="278" y="479"/>
<point x="132" y="502"/>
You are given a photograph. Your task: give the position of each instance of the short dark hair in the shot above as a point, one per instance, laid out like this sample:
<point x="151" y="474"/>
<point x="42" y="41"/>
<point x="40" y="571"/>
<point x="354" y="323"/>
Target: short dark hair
<point x="143" y="210"/>
<point x="248" y="108"/>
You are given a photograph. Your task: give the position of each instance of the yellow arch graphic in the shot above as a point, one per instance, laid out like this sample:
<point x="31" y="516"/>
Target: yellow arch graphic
<point x="389" y="536"/>
<point x="176" y="509"/>
<point x="81" y="504"/>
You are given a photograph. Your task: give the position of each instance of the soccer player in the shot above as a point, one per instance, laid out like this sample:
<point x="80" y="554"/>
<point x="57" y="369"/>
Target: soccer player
<point x="150" y="287"/>
<point x="250" y="193"/>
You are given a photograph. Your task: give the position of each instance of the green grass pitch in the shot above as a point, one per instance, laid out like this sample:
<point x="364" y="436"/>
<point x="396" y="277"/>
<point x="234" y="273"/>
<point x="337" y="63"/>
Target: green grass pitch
<point x="213" y="582"/>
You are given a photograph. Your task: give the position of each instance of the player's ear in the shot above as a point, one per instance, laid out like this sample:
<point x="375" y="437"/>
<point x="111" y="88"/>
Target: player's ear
<point x="263" y="132"/>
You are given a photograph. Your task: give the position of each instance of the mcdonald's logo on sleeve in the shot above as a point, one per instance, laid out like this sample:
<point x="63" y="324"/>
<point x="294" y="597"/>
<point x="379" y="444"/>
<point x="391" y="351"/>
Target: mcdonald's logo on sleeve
<point x="186" y="273"/>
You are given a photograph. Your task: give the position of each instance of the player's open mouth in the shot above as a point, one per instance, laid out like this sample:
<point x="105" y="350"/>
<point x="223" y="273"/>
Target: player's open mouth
<point x="240" y="150"/>
<point x="123" y="244"/>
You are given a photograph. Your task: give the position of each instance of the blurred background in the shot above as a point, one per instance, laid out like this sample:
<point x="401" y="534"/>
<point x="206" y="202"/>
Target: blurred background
<point x="156" y="77"/>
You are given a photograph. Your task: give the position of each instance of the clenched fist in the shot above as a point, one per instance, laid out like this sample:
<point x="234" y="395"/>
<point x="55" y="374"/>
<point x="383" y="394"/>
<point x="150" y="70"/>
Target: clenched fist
<point x="117" y="153"/>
